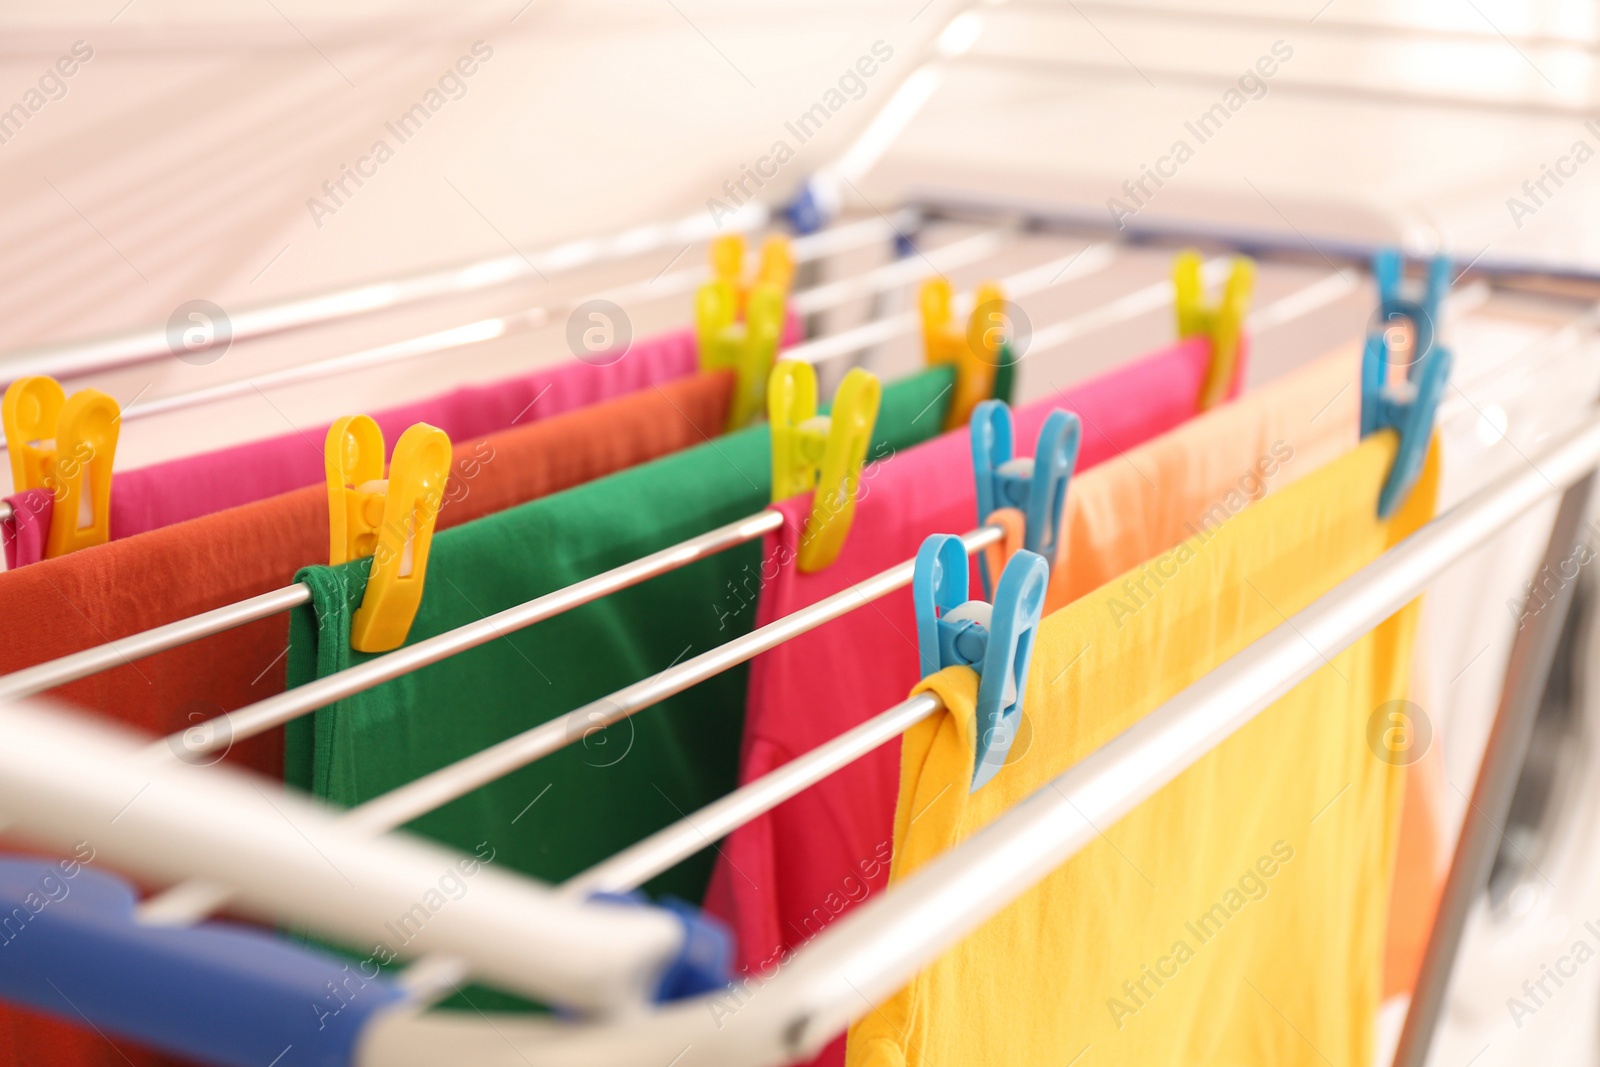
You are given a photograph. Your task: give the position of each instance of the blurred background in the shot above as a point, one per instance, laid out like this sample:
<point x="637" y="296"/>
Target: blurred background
<point x="250" y="153"/>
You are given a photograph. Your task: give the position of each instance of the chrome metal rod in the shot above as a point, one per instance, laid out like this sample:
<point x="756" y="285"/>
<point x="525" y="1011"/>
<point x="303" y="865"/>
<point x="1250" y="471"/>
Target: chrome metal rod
<point x="207" y="623"/>
<point x="892" y="275"/>
<point x="494" y="329"/>
<point x="47" y="675"/>
<point x="664" y="849"/>
<point x="276" y="710"/>
<point x="1087" y="261"/>
<point x="193" y="900"/>
<point x="78" y="358"/>
<point x="1527" y="673"/>
<point x="866" y="955"/>
<point x="400" y="806"/>
<point x="6" y="513"/>
<point x="473" y="333"/>
<point x="31" y="680"/>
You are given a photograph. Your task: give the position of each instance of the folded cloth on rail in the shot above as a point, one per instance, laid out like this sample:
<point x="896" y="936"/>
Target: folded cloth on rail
<point x="613" y="785"/>
<point x="149" y="498"/>
<point x="1238" y="915"/>
<point x="785" y="875"/>
<point x="67" y="604"/>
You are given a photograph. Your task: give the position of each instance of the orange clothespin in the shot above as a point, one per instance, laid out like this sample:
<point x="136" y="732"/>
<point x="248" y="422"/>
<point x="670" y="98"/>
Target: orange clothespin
<point x="974" y="351"/>
<point x="64" y="445"/>
<point x="1223" y="322"/>
<point x="390" y="520"/>
<point x="824" y="453"/>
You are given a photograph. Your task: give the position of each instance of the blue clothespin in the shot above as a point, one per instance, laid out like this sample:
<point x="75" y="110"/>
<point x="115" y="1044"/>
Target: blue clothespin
<point x="1407" y="406"/>
<point x="994" y="640"/>
<point x="1037" y="489"/>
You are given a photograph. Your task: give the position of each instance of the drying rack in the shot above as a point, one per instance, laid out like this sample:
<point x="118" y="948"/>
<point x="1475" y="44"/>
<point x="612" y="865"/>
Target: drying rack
<point x="61" y="781"/>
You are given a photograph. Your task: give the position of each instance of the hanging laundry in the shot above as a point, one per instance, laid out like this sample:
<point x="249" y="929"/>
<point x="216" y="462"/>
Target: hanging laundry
<point x="76" y="601"/>
<point x="149" y="498"/>
<point x="787" y="874"/>
<point x="125" y="587"/>
<point x="818" y="685"/>
<point x="612" y="785"/>
<point x="1238" y="915"/>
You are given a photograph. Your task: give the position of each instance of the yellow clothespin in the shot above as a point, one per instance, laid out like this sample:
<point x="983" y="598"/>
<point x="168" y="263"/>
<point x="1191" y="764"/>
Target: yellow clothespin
<point x="747" y="348"/>
<point x="820" y="452"/>
<point x="390" y="520"/>
<point x="974" y="350"/>
<point x="777" y="263"/>
<point x="64" y="445"/>
<point x="1224" y="323"/>
<point x="739" y="327"/>
<point x="727" y="260"/>
<point x="776" y="266"/>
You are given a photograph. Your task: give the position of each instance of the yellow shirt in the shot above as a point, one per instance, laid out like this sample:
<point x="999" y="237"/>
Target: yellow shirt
<point x="1235" y="918"/>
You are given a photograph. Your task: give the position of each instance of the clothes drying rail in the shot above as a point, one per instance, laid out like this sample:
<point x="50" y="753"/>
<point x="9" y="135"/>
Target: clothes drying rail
<point x="865" y="956"/>
<point x="77" y="358"/>
<point x="344" y="885"/>
<point x="77" y="665"/>
<point x="844" y="238"/>
<point x="317" y="694"/>
<point x="193" y="901"/>
<point x="405" y="803"/>
<point x="807" y="302"/>
<point x="672" y="844"/>
<point x="56" y="787"/>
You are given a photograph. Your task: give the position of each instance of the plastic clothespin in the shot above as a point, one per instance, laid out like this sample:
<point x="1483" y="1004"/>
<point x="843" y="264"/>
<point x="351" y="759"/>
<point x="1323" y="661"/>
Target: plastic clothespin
<point x="1409" y="405"/>
<point x="1038" y="490"/>
<point x="776" y="266"/>
<point x="823" y="453"/>
<point x="64" y="445"/>
<point x="996" y="640"/>
<point x="976" y="350"/>
<point x="747" y="348"/>
<point x="390" y="520"/>
<point x="739" y="327"/>
<point x="1224" y="322"/>
<point x="777" y="262"/>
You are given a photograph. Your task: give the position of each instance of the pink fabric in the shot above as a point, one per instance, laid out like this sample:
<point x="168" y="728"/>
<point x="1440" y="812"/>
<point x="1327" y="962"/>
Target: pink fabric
<point x="781" y="878"/>
<point x="24" y="532"/>
<point x="167" y="493"/>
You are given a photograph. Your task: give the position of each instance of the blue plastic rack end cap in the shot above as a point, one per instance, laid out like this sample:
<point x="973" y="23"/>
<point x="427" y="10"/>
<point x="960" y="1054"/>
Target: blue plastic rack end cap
<point x="218" y="992"/>
<point x="1407" y="406"/>
<point x="806" y="213"/>
<point x="995" y="640"/>
<point x="705" y="962"/>
<point x="1037" y="486"/>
